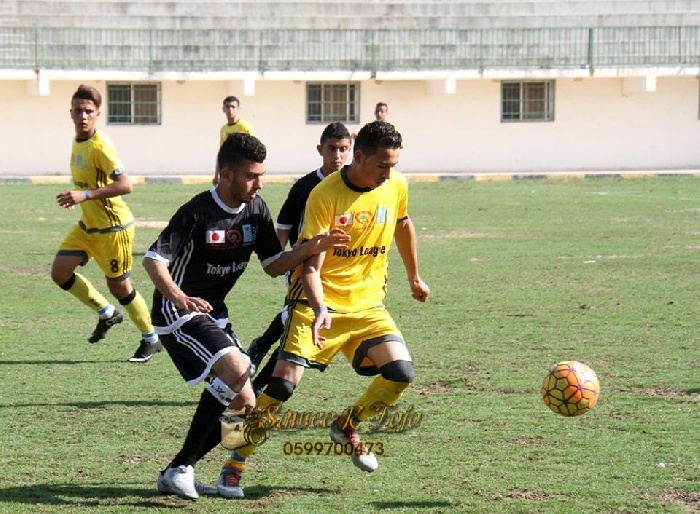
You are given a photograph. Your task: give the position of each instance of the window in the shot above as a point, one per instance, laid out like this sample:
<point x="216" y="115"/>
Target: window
<point x="527" y="101"/>
<point x="133" y="104"/>
<point x="326" y="103"/>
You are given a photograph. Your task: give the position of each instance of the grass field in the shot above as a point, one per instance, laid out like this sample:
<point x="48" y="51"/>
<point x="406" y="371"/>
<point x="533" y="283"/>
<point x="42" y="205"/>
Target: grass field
<point x="523" y="275"/>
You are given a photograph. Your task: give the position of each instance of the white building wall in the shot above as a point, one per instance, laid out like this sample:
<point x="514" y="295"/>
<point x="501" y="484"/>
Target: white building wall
<point x="598" y="125"/>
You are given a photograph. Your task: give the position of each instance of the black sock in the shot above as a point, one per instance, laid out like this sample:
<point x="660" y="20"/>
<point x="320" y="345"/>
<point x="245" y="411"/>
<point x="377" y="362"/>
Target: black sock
<point x="204" y="427"/>
<point x="263" y="377"/>
<point x="211" y="442"/>
<point x="272" y="333"/>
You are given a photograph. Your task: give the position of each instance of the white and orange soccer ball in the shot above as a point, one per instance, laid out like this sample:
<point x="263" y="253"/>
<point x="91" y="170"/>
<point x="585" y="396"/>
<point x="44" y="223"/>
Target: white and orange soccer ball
<point x="570" y="388"/>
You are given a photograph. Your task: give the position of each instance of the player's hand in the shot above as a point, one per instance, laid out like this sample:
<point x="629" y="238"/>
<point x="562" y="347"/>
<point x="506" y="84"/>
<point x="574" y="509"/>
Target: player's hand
<point x="419" y="290"/>
<point x="193" y="303"/>
<point x="335" y="238"/>
<point x="69" y="199"/>
<point x="322" y="322"/>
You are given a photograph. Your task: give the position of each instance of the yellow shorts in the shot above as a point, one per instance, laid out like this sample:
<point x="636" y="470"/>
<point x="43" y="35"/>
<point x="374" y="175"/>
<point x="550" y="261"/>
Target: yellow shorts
<point x="352" y="333"/>
<point x="111" y="250"/>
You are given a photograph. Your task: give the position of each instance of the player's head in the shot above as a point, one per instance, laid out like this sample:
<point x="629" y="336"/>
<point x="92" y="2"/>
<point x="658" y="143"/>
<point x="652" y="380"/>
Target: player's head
<point x="241" y="164"/>
<point x="381" y="110"/>
<point x="377" y="150"/>
<point x="230" y="107"/>
<point x="84" y="110"/>
<point x="334" y="147"/>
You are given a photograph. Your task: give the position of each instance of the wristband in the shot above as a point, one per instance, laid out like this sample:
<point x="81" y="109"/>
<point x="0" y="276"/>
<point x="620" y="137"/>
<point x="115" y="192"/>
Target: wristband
<point x="87" y="194"/>
<point x="321" y="310"/>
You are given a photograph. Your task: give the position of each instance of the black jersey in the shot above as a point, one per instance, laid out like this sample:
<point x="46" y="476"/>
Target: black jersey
<point x="207" y="246"/>
<point x="291" y="216"/>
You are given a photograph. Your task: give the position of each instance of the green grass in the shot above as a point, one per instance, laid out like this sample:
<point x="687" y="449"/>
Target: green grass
<point x="523" y="275"/>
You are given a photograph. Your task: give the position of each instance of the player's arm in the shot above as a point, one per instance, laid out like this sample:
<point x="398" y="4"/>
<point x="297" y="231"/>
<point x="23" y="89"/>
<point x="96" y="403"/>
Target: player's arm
<point x="405" y="237"/>
<point x="283" y="235"/>
<point x="290" y="259"/>
<point x="313" y="288"/>
<point x="157" y="269"/>
<point x="121" y="185"/>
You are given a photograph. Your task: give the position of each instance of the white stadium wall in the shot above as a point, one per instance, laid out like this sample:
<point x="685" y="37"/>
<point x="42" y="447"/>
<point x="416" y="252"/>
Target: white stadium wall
<point x="599" y="125"/>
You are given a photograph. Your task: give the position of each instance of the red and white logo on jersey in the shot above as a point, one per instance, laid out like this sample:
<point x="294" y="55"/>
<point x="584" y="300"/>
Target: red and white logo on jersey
<point x="343" y="220"/>
<point x="216" y="237"/>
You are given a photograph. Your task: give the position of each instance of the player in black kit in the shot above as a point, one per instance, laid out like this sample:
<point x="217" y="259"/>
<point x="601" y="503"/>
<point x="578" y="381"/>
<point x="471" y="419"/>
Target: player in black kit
<point x="194" y="264"/>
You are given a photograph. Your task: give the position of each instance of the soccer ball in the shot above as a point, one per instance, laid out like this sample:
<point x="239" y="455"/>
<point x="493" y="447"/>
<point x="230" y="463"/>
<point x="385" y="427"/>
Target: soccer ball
<point x="570" y="388"/>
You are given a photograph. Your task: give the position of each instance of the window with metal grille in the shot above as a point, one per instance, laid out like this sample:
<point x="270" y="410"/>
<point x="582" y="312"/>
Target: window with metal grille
<point x="527" y="101"/>
<point x="133" y="104"/>
<point x="326" y="103"/>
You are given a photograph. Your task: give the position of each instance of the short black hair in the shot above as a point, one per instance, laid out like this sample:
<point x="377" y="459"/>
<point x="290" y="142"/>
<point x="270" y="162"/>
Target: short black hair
<point x="335" y="130"/>
<point x="239" y="148"/>
<point x="87" y="93"/>
<point x="376" y="135"/>
<point x="231" y="99"/>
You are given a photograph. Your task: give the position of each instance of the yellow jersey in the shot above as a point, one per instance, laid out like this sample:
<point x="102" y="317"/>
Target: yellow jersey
<point x="239" y="126"/>
<point x="353" y="278"/>
<point x="94" y="163"/>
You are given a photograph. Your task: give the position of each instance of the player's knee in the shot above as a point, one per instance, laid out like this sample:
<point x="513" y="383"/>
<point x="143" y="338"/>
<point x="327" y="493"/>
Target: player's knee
<point x="65" y="285"/>
<point x="398" y="371"/>
<point x="280" y="389"/>
<point x="128" y="298"/>
<point x="121" y="289"/>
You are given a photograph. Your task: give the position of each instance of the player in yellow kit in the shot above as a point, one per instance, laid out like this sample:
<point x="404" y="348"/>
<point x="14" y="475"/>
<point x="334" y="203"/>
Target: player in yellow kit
<point x="234" y="125"/>
<point x="105" y="231"/>
<point x="337" y="298"/>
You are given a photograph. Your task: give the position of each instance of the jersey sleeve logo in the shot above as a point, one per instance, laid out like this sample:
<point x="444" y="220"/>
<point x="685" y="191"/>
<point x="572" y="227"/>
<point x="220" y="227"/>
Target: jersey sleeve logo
<point x="216" y="237"/>
<point x="343" y="220"/>
<point x="381" y="215"/>
<point x="248" y="236"/>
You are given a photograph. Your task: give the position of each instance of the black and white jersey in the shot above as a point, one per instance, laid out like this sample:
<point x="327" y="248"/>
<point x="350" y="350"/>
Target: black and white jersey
<point x="207" y="246"/>
<point x="291" y="216"/>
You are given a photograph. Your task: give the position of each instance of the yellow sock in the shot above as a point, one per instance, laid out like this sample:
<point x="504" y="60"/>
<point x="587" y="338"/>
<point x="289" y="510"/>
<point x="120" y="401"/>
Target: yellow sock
<point x="380" y="394"/>
<point x="84" y="291"/>
<point x="139" y="313"/>
<point x="240" y="454"/>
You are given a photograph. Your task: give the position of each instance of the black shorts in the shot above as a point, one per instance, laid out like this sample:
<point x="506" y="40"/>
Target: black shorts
<point x="197" y="345"/>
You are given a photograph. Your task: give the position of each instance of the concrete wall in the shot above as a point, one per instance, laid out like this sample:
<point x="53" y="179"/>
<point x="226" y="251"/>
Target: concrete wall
<point x="600" y="124"/>
<point x="603" y="121"/>
<point x="347" y="14"/>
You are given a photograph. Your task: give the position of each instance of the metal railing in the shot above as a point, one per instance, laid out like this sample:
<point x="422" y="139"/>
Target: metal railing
<point x="195" y="50"/>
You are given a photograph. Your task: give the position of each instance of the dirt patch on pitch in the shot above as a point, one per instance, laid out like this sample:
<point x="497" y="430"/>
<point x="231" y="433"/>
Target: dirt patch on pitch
<point x="455" y="234"/>
<point x="688" y="499"/>
<point x="27" y="271"/>
<point x="151" y="224"/>
<point x="662" y="392"/>
<point x="439" y="387"/>
<point x="524" y="494"/>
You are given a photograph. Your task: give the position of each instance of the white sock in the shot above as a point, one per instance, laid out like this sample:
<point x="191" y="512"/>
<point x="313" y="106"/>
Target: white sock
<point x="107" y="312"/>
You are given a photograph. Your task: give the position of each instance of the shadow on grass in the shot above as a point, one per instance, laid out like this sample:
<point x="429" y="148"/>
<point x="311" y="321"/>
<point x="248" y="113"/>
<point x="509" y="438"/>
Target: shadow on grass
<point x="49" y="363"/>
<point x="103" y="404"/>
<point x="259" y="492"/>
<point x="107" y="495"/>
<point x="84" y="496"/>
<point x="411" y="505"/>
